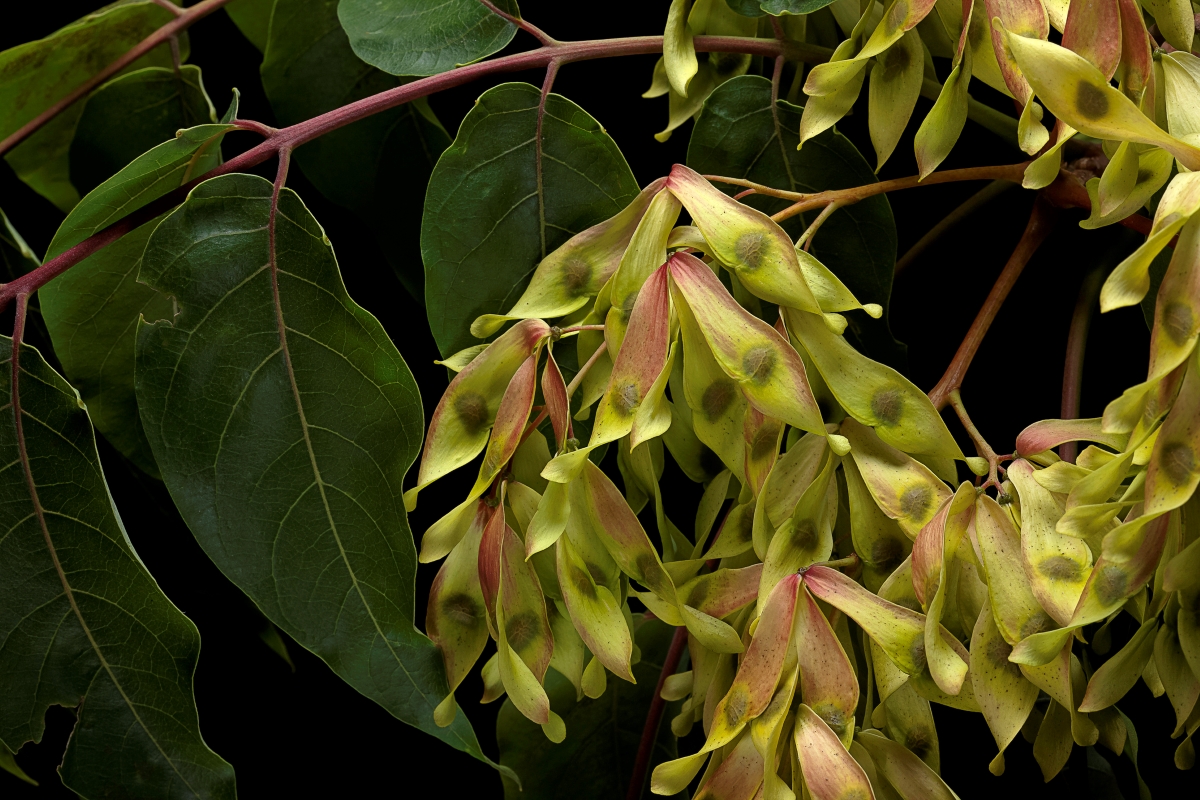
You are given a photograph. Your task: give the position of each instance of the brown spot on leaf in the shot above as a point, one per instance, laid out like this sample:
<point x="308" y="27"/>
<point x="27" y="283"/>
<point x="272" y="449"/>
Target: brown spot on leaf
<point x="462" y="609"/>
<point x="521" y="630"/>
<point x="919" y="742"/>
<point x="582" y="581"/>
<point x="804" y="536"/>
<point x="736" y="703"/>
<point x="759" y="363"/>
<point x="886" y="553"/>
<point x="1060" y="568"/>
<point x="1090" y="101"/>
<point x="576" y="275"/>
<point x="717" y="398"/>
<point x="1178" y="462"/>
<point x="646" y="565"/>
<point x="472" y="411"/>
<point x="1178" y="322"/>
<point x="918" y="652"/>
<point x="1035" y="624"/>
<point x="1111" y="583"/>
<point x="624" y="398"/>
<point x="888" y="405"/>
<point x="750" y="248"/>
<point x="764" y="443"/>
<point x="914" y="503"/>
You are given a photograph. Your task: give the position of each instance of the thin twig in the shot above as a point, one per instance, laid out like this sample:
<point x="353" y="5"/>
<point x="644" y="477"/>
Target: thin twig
<point x="1008" y="172"/>
<point x="163" y="35"/>
<point x="533" y="30"/>
<point x="256" y="127"/>
<point x="972" y="204"/>
<point x="293" y="136"/>
<point x="578" y="379"/>
<point x="981" y="446"/>
<point x="1081" y="320"/>
<point x="806" y="238"/>
<point x="641" y="764"/>
<point x="571" y="387"/>
<point x="1041" y="222"/>
<point x="578" y="328"/>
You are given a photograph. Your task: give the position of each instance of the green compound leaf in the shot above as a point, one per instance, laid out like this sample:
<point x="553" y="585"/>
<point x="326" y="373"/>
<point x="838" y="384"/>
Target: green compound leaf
<point x="377" y="167"/>
<point x="81" y="621"/>
<point x="736" y="136"/>
<point x="419" y="37"/>
<point x="283" y="420"/>
<point x="757" y="8"/>
<point x="130" y="115"/>
<point x="596" y="759"/>
<point x="488" y="222"/>
<point x="35" y="75"/>
<point x="92" y="310"/>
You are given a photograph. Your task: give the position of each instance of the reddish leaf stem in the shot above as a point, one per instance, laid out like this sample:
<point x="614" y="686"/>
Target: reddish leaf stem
<point x="293" y="136"/>
<point x="808" y="235"/>
<point x="184" y="19"/>
<point x="1081" y="320"/>
<point x="533" y="30"/>
<point x="637" y="781"/>
<point x="1041" y="222"/>
<point x="981" y="446"/>
<point x="807" y="202"/>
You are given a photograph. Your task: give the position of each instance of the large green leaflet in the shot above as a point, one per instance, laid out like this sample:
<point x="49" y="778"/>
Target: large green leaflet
<point x="283" y="420"/>
<point x="128" y="116"/>
<point x="35" y="75"/>
<point x="81" y="620"/>
<point x="736" y="136"/>
<point x="377" y="167"/>
<point x="92" y="310"/>
<point x="596" y="759"/>
<point x="488" y="222"/>
<point x="422" y="37"/>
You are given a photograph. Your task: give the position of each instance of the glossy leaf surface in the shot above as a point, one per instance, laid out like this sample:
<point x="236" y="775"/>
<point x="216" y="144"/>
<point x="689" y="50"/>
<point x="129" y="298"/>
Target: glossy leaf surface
<point x="72" y="633"/>
<point x="292" y="491"/>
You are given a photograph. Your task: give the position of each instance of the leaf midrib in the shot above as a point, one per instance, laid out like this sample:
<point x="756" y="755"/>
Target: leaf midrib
<point x="273" y="268"/>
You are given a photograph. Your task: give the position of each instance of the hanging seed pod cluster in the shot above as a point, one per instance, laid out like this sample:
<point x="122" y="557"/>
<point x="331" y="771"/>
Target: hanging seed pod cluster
<point x="839" y="578"/>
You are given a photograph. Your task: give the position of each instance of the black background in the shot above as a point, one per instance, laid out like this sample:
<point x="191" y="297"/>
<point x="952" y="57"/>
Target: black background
<point x="306" y="733"/>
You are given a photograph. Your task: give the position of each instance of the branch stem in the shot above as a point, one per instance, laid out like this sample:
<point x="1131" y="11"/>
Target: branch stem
<point x="845" y="197"/>
<point x="543" y="38"/>
<point x="1081" y="320"/>
<point x="981" y="446"/>
<point x="295" y="135"/>
<point x="1041" y="222"/>
<point x="163" y="35"/>
<point x="810" y="233"/>
<point x="641" y="764"/>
